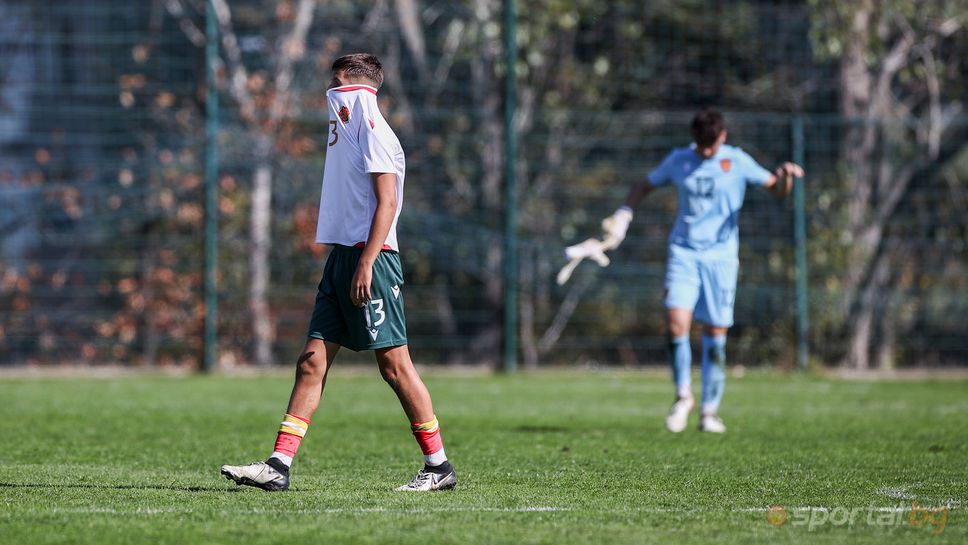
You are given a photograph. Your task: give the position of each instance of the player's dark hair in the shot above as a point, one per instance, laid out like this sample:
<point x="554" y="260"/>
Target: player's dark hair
<point x="706" y="126"/>
<point x="360" y="65"/>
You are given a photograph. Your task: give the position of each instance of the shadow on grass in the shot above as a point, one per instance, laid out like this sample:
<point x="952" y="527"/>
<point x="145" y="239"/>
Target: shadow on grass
<point x="541" y="429"/>
<point x="124" y="487"/>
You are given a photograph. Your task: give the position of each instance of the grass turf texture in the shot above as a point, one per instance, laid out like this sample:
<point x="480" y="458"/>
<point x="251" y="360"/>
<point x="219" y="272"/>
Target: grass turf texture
<point x="543" y="458"/>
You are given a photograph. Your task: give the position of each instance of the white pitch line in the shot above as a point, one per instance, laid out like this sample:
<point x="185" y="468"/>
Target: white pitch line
<point x="322" y="511"/>
<point x="892" y="509"/>
<point x="900" y="493"/>
<point x="416" y="510"/>
<point x="471" y="509"/>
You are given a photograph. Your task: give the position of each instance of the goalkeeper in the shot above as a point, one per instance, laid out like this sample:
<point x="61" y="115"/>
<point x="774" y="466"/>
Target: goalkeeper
<point x="700" y="282"/>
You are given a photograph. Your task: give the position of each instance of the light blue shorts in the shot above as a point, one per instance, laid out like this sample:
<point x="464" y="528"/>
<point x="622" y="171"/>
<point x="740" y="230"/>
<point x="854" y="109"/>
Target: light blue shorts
<point x="705" y="284"/>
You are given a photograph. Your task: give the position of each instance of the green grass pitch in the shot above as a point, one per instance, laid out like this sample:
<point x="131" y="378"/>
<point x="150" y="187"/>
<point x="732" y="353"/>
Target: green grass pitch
<point x="550" y="457"/>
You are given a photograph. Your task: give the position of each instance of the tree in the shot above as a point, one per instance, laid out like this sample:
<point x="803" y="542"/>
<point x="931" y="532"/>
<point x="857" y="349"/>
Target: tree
<point x="266" y="99"/>
<point x="898" y="71"/>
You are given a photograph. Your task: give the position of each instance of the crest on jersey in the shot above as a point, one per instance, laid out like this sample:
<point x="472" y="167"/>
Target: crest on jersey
<point x="725" y="164"/>
<point x="344" y="114"/>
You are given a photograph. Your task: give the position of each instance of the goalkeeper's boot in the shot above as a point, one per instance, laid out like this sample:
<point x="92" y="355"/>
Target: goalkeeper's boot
<point x="712" y="424"/>
<point x="430" y="478"/>
<point x="679" y="414"/>
<point x="271" y="475"/>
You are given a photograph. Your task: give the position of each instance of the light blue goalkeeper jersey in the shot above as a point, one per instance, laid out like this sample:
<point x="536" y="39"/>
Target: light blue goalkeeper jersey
<point x="711" y="193"/>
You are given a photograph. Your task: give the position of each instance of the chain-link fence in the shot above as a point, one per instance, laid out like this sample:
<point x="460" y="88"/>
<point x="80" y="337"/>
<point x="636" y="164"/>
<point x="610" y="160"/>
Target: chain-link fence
<point x="102" y="174"/>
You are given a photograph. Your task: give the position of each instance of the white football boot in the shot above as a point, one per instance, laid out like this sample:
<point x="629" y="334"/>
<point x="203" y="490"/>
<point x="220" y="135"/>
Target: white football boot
<point x="260" y="475"/>
<point x="679" y="414"/>
<point x="712" y="424"/>
<point x="428" y="481"/>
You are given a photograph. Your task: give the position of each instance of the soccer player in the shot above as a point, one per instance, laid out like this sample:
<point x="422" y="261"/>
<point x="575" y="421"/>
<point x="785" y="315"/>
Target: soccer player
<point x="703" y="264"/>
<point x="359" y="302"/>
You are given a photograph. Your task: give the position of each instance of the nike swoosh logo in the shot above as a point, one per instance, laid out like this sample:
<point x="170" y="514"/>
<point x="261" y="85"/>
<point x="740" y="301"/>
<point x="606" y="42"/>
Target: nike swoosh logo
<point x="442" y="482"/>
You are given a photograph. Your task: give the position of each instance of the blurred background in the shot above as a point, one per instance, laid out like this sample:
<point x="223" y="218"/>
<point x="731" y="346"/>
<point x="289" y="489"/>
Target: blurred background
<point x="149" y="145"/>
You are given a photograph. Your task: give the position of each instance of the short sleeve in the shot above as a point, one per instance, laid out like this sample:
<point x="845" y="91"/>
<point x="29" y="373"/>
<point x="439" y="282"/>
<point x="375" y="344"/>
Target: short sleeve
<point x="377" y="149"/>
<point x="662" y="174"/>
<point x="750" y="170"/>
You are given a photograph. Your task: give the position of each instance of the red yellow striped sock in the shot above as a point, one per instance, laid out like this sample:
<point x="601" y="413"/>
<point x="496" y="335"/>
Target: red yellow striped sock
<point x="427" y="435"/>
<point x="291" y="433"/>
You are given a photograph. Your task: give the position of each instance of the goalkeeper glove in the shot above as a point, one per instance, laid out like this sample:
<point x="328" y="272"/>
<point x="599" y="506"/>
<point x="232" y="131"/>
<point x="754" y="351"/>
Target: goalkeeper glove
<point x="616" y="226"/>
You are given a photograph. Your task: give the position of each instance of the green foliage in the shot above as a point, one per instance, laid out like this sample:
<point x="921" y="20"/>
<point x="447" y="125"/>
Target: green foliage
<point x="606" y="89"/>
<point x="834" y="23"/>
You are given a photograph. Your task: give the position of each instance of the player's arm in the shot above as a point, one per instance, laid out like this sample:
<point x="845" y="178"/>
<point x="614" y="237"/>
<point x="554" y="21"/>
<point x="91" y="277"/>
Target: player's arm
<point x="385" y="189"/>
<point x="636" y="193"/>
<point x="614" y="226"/>
<point x="617" y="225"/>
<point x="780" y="183"/>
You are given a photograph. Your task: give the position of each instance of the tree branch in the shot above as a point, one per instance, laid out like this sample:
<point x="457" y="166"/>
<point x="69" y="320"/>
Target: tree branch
<point x="451" y="45"/>
<point x="413" y="34"/>
<point x="894" y="61"/>
<point x="239" y="75"/>
<point x="935" y="123"/>
<point x="293" y="48"/>
<point x="187" y="26"/>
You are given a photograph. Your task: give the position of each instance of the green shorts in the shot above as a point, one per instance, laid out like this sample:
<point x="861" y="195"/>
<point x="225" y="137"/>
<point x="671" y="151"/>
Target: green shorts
<point x="379" y="324"/>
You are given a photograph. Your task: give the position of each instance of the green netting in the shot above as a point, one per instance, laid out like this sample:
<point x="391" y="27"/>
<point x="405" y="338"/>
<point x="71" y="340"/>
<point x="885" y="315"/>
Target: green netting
<point x="102" y="128"/>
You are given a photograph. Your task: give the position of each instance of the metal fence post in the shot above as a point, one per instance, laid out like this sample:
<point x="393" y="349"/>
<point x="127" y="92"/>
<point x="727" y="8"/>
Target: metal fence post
<point x="510" y="190"/>
<point x="800" y="238"/>
<point x="211" y="190"/>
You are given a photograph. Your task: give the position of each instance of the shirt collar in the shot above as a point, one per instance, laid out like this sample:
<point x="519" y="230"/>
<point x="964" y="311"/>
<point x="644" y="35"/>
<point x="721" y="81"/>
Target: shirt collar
<point x="354" y="87"/>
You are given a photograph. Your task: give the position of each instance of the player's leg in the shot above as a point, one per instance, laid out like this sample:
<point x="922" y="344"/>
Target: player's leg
<point x="678" y="323"/>
<point x="311" y="371"/>
<point x="680" y="357"/>
<point x="381" y="326"/>
<point x="715" y="310"/>
<point x="682" y="292"/>
<point x="398" y="370"/>
<point x="312" y="367"/>
<point x="713" y="378"/>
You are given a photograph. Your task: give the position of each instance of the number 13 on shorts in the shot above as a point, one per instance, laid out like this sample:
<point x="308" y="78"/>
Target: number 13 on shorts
<point x="374" y="309"/>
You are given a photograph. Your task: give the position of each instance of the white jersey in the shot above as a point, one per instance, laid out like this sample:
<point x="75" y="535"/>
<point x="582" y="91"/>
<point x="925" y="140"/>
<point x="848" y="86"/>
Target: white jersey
<point x="360" y="142"/>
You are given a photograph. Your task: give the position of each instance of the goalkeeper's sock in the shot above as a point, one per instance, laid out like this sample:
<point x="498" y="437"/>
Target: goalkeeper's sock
<point x="680" y="358"/>
<point x="713" y="372"/>
<point x="427" y="435"/>
<point x="291" y="433"/>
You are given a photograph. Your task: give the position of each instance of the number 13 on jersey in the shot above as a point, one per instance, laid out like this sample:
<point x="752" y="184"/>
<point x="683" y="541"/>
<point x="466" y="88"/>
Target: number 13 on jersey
<point x="334" y="133"/>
